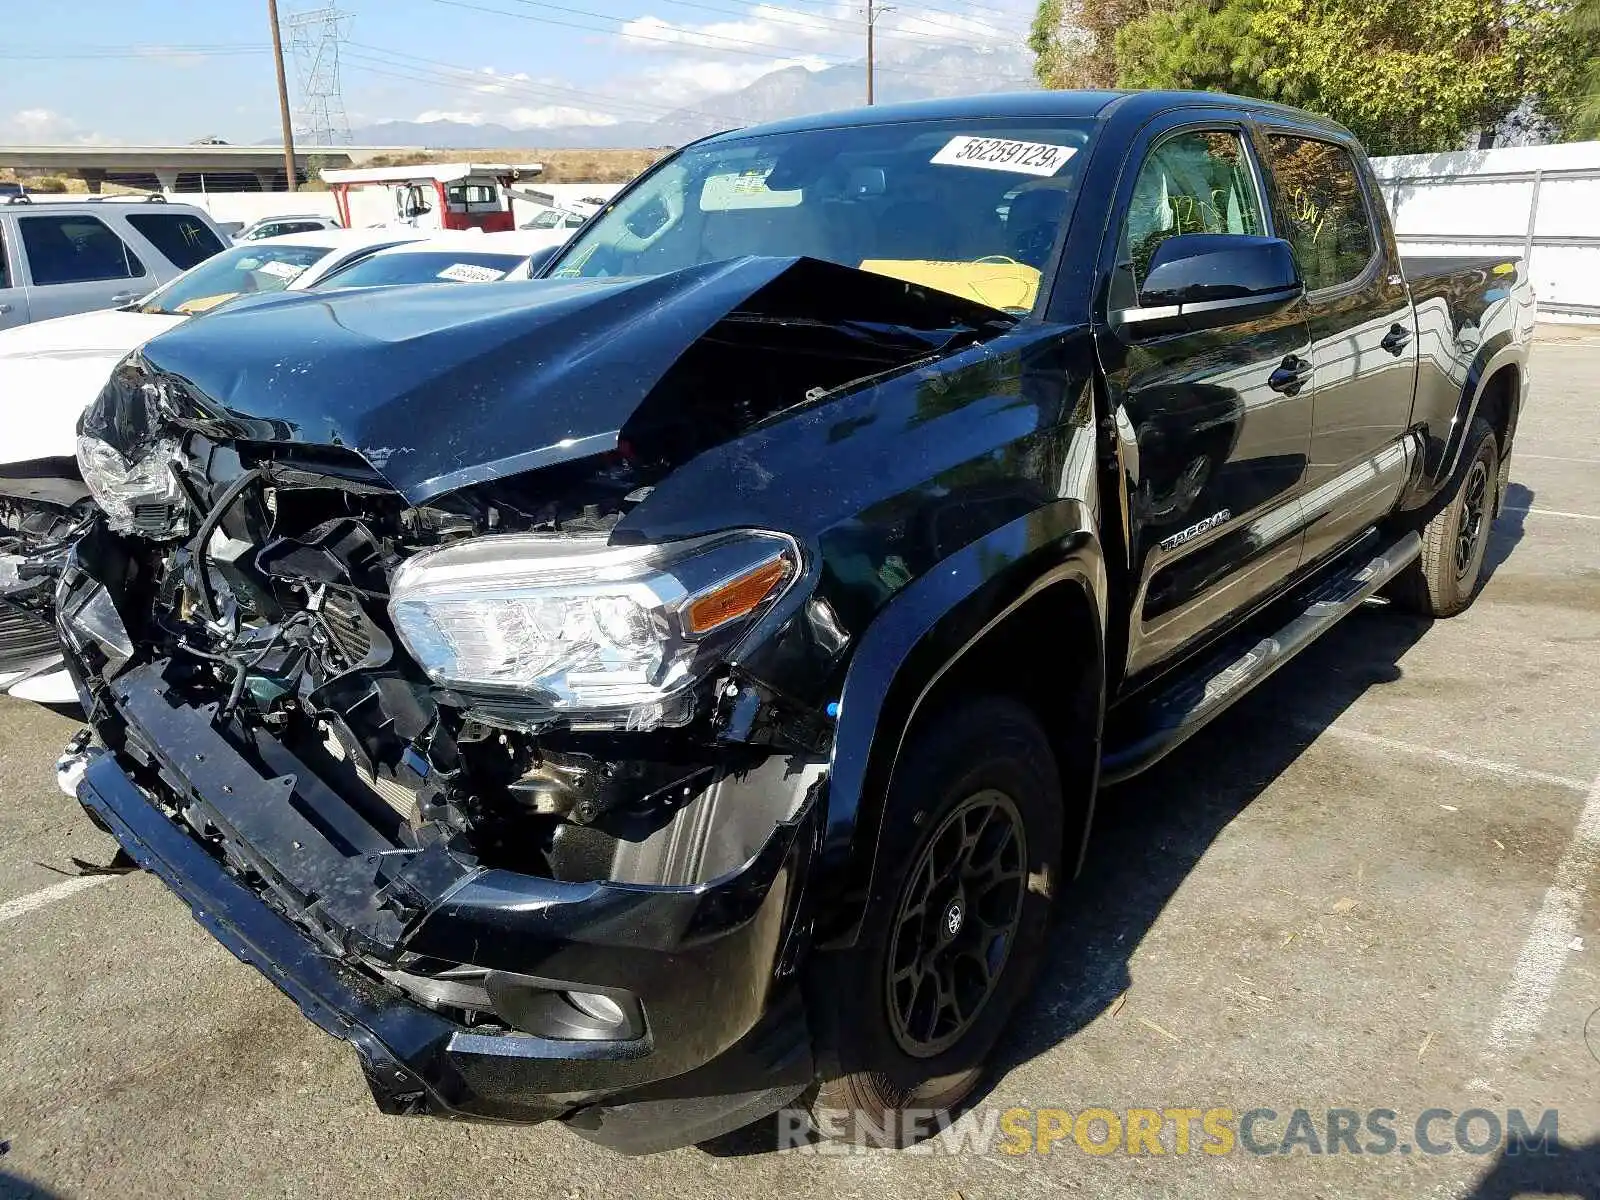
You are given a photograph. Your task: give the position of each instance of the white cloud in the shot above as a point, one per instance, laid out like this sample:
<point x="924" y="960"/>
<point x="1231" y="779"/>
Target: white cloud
<point x="546" y="117"/>
<point x="42" y="126"/>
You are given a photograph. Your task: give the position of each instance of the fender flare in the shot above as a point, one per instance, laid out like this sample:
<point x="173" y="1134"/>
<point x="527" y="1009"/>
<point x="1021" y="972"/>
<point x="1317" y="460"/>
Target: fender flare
<point x="1498" y="351"/>
<point x="904" y="653"/>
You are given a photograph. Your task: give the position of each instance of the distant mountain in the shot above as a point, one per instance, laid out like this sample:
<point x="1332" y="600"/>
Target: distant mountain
<point x="791" y="92"/>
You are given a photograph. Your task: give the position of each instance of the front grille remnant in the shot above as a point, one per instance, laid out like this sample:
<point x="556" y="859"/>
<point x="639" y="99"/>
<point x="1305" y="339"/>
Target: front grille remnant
<point x="26" y="639"/>
<point x="346" y="626"/>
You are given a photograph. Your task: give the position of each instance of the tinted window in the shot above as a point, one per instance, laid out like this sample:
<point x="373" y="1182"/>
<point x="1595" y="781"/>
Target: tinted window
<point x="430" y="266"/>
<point x="184" y="239"/>
<point x="972" y="207"/>
<point x="74" y="249"/>
<point x="1195" y="182"/>
<point x="1325" y="210"/>
<point x="5" y="269"/>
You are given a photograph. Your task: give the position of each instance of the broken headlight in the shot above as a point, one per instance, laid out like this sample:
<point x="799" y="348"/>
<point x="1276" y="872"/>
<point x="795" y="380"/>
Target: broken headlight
<point x="534" y="627"/>
<point x="141" y="496"/>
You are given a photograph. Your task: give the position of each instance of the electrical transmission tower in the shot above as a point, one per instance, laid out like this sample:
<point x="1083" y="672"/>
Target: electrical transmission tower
<point x="315" y="38"/>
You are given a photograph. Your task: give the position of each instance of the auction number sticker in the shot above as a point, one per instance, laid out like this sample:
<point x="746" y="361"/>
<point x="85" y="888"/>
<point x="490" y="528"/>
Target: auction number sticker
<point x="470" y="273"/>
<point x="1003" y="154"/>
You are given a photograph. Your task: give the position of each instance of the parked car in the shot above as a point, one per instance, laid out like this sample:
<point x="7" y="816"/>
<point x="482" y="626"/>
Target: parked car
<point x="678" y="686"/>
<point x="450" y="257"/>
<point x="65" y="257"/>
<point x="276" y="227"/>
<point x="50" y="370"/>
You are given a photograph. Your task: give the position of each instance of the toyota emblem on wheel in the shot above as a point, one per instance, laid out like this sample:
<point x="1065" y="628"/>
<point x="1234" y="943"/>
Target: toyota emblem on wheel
<point x="952" y="920"/>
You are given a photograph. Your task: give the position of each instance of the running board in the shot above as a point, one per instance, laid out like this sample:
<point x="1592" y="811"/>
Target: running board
<point x="1175" y="716"/>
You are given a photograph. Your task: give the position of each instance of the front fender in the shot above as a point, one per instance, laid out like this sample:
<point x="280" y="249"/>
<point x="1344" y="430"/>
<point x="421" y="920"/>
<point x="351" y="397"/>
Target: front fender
<point x="911" y="644"/>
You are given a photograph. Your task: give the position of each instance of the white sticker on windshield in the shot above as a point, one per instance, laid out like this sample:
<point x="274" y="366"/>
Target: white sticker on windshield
<point x="1002" y="154"/>
<point x="470" y="273"/>
<point x="281" y="270"/>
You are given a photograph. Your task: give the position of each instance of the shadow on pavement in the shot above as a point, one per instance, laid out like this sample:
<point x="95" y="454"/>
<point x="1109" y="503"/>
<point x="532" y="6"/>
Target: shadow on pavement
<point x="1508" y="528"/>
<point x="13" y="1187"/>
<point x="1152" y="831"/>
<point x="1563" y="1171"/>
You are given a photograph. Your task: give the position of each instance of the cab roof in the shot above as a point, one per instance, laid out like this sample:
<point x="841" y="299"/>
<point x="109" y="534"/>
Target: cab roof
<point x="1064" y="104"/>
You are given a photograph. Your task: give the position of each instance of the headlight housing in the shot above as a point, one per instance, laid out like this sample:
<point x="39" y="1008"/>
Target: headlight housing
<point x="138" y="497"/>
<point x="532" y="628"/>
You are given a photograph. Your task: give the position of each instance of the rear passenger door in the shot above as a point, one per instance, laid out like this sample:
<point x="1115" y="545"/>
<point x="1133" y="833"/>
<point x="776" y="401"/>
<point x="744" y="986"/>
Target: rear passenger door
<point x="1362" y="332"/>
<point x="75" y="263"/>
<point x="13" y="296"/>
<point x="1220" y="418"/>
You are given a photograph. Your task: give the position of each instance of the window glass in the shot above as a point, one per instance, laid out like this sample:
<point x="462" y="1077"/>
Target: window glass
<point x="1195" y="182"/>
<point x="423" y="266"/>
<point x="5" y="269"/>
<point x="244" y="270"/>
<point x="75" y="249"/>
<point x="1328" y="224"/>
<point x="184" y="239"/>
<point x="970" y="207"/>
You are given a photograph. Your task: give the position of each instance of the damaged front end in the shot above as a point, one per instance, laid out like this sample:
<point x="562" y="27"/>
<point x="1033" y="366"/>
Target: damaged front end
<point x="44" y="506"/>
<point x="421" y="732"/>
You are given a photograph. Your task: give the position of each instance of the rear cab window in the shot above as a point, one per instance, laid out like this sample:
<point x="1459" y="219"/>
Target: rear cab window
<point x="1326" y="216"/>
<point x="185" y="240"/>
<point x="69" y="248"/>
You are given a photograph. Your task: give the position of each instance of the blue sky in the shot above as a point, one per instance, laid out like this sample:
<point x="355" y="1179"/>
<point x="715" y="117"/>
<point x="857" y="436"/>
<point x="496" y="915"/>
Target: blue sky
<point x="162" y="71"/>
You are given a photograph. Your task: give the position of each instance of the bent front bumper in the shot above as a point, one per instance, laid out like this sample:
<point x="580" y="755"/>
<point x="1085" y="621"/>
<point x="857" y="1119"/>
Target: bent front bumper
<point x="700" y="961"/>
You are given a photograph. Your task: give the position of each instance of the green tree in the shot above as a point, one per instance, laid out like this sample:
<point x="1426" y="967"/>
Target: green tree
<point x="1403" y="77"/>
<point x="1586" y="32"/>
<point x="1074" y="41"/>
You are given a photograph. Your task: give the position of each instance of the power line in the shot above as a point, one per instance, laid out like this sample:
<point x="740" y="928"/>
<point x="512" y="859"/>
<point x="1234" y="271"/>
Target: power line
<point x="736" y="45"/>
<point x="218" y="50"/>
<point x="428" y="70"/>
<point x="837" y="23"/>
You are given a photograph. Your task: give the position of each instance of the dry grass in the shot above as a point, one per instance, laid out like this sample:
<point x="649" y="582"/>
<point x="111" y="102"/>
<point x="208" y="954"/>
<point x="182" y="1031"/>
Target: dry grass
<point x="560" y="166"/>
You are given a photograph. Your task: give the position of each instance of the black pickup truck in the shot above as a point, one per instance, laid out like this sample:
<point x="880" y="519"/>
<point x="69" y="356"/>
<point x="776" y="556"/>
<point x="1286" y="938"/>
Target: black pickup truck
<point x="678" y="687"/>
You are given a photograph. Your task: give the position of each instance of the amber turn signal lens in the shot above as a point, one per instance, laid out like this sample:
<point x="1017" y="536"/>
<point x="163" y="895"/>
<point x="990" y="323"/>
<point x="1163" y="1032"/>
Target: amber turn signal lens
<point x="735" y="598"/>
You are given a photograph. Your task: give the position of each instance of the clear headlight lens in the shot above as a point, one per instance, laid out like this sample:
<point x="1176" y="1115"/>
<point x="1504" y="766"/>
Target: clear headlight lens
<point x="539" y="626"/>
<point x="141" y="495"/>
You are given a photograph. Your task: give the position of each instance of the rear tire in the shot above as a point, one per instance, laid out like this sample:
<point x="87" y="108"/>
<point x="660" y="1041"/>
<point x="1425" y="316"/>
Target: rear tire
<point x="1445" y="577"/>
<point x="969" y="858"/>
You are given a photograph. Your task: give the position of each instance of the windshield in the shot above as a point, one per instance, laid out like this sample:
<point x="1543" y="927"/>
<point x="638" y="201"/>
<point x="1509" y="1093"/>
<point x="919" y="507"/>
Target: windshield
<point x="242" y="271"/>
<point x="424" y="266"/>
<point x="971" y="207"/>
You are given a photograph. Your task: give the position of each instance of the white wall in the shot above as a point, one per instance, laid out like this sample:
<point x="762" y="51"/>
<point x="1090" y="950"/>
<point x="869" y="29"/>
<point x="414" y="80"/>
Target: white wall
<point x="1539" y="201"/>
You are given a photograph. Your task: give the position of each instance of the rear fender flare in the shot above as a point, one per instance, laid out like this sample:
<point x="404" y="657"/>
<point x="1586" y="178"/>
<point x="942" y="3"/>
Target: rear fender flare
<point x="904" y="653"/>
<point x="1497" y="352"/>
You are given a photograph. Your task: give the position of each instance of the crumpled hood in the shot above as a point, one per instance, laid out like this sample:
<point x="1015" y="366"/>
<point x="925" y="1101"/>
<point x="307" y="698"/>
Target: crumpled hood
<point x="50" y="370"/>
<point x="439" y="388"/>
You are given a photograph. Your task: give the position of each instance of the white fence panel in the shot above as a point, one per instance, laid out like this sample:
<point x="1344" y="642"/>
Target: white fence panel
<point x="1540" y="202"/>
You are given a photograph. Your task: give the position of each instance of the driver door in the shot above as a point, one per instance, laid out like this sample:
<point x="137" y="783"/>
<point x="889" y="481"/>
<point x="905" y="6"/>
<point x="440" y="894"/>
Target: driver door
<point x="1215" y="424"/>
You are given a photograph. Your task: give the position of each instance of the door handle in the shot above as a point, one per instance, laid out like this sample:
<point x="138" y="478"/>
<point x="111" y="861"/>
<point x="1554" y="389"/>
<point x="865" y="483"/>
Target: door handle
<point x="1396" y="339"/>
<point x="4" y="309"/>
<point x="124" y="297"/>
<point x="1291" y="375"/>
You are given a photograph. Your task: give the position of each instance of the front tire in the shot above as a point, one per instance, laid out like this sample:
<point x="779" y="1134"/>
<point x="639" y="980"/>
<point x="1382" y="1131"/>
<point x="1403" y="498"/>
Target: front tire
<point x="1445" y="577"/>
<point x="969" y="858"/>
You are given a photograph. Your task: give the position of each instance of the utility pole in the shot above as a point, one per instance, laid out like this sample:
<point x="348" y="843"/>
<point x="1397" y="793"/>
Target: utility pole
<point x="289" y="170"/>
<point x="874" y="11"/>
<point x="872" y="20"/>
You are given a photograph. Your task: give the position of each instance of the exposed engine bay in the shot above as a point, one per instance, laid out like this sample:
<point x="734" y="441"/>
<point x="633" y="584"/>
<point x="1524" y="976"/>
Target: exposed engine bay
<point x="264" y="572"/>
<point x="44" y="507"/>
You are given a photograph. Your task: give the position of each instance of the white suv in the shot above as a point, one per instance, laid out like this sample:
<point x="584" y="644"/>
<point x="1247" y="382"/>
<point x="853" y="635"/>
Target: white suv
<point x="63" y="257"/>
<point x="273" y="227"/>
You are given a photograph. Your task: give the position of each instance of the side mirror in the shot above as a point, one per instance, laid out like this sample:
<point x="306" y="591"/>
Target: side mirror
<point x="1208" y="280"/>
<point x="538" y="258"/>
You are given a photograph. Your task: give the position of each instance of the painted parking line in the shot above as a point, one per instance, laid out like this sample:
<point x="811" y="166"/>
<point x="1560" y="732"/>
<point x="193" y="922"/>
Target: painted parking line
<point x="1551" y="512"/>
<point x="1544" y="954"/>
<point x="23" y="905"/>
<point x="1468" y="761"/>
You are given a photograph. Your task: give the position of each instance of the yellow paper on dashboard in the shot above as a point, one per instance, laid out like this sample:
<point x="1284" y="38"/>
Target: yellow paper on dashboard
<point x="997" y="282"/>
